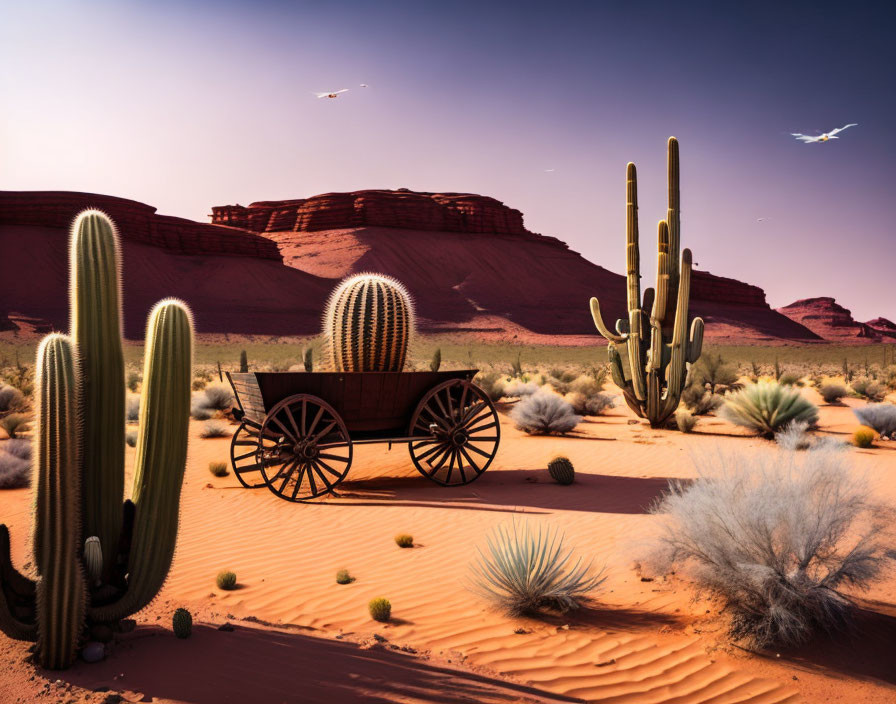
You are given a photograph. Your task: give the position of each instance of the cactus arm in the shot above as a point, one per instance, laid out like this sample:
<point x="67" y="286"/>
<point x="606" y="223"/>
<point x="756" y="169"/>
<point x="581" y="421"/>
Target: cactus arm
<point x="633" y="282"/>
<point x="695" y="345"/>
<point x="16" y="596"/>
<point x="161" y="457"/>
<point x="673" y="213"/>
<point x="601" y="327"/>
<point x="96" y="332"/>
<point x="677" y="370"/>
<point x="62" y="589"/>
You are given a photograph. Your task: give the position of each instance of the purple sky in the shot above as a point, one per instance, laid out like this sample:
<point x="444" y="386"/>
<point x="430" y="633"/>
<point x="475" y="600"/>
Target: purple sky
<point x="185" y="105"/>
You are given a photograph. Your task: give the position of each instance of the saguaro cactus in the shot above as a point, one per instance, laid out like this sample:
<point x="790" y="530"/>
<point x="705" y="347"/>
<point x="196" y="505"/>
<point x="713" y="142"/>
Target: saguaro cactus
<point x="128" y="567"/>
<point x="652" y="372"/>
<point x="368" y="324"/>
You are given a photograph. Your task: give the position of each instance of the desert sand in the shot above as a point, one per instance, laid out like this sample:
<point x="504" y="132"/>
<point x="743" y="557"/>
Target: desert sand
<point x="297" y="636"/>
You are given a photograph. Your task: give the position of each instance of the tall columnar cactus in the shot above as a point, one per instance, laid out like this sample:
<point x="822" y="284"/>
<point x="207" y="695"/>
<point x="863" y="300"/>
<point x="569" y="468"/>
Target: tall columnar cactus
<point x="62" y="588"/>
<point x="128" y="567"/>
<point x="368" y="324"/>
<point x="652" y="372"/>
<point x="96" y="331"/>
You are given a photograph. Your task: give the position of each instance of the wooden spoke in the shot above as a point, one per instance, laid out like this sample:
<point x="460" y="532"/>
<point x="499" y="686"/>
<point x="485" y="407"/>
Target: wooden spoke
<point x="291" y="457"/>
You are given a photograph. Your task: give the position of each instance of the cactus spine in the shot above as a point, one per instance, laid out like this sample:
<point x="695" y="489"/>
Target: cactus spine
<point x="653" y="372"/>
<point x="62" y="589"/>
<point x="96" y="332"/>
<point x="76" y="394"/>
<point x="561" y="470"/>
<point x="368" y="324"/>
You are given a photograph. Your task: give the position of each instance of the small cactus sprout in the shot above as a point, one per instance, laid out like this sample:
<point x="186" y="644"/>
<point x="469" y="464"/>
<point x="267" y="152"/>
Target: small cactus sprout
<point x="307" y="360"/>
<point x="226" y="581"/>
<point x="380" y="609"/>
<point x="343" y="577"/>
<point x="561" y="470"/>
<point x="436" y="360"/>
<point x="864" y="436"/>
<point x="218" y="469"/>
<point x="403" y="540"/>
<point x="93" y="559"/>
<point x="244" y="362"/>
<point x="182" y="623"/>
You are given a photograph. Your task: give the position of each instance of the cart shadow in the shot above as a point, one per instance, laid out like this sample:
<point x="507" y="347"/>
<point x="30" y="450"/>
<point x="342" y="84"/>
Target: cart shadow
<point x="515" y="491"/>
<point x="255" y="665"/>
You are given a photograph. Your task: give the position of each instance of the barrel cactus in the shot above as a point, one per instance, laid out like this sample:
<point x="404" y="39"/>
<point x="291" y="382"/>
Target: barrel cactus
<point x="368" y="323"/>
<point x="561" y="470"/>
<point x="182" y="623"/>
<point x="99" y="558"/>
<point x="652" y="370"/>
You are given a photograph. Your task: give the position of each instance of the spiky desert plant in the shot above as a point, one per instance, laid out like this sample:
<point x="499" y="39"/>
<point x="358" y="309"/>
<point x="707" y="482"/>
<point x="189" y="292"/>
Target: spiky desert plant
<point x="516" y="366"/>
<point x="244" y="362"/>
<point x="767" y="407"/>
<point x="652" y="372"/>
<point x="561" y="470"/>
<point x="880" y="416"/>
<point x="524" y="570"/>
<point x="544" y="413"/>
<point x="182" y="623"/>
<point x="368" y="324"/>
<point x="307" y="360"/>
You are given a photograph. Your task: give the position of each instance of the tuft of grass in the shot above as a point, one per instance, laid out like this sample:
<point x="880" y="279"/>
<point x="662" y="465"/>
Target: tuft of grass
<point x="524" y="571"/>
<point x="544" y="413"/>
<point x="380" y="609"/>
<point x="214" y="429"/>
<point x="685" y="420"/>
<point x="14" y="423"/>
<point x="226" y="580"/>
<point x="794" y="436"/>
<point x="218" y="469"/>
<point x="880" y="416"/>
<point x="777" y="537"/>
<point x="864" y="436"/>
<point x="403" y="540"/>
<point x="790" y="379"/>
<point x="767" y="407"/>
<point x="343" y="577"/>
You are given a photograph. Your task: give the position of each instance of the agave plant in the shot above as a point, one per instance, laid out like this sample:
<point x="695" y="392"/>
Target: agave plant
<point x="768" y="407"/>
<point x="525" y="570"/>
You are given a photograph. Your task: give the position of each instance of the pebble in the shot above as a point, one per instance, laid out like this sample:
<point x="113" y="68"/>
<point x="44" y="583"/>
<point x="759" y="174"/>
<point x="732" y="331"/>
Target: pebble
<point x="93" y="652"/>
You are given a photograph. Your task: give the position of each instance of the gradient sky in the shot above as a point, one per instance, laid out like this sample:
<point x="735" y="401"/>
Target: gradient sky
<point x="185" y="105"/>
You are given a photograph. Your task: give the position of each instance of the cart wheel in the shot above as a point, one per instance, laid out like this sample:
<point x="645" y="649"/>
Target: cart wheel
<point x="305" y="449"/>
<point x="243" y="449"/>
<point x="459" y="433"/>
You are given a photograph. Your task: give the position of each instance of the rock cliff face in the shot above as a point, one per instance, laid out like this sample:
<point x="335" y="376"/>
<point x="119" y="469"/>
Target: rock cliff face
<point x="408" y="210"/>
<point x="883" y="327"/>
<point x="829" y="320"/>
<point x="137" y="222"/>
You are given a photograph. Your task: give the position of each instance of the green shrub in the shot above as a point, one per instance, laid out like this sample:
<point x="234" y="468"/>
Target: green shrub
<point x="403" y="540"/>
<point x="715" y="375"/>
<point x="182" y="623"/>
<point x="343" y="577"/>
<point x="226" y="581"/>
<point x="768" y="407"/>
<point x="491" y="384"/>
<point x="380" y="609"/>
<point x="870" y="389"/>
<point x="863" y="436"/>
<point x="218" y="469"/>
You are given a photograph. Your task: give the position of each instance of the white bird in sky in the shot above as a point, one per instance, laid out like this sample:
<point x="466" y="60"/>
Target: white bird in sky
<point x="363" y="85"/>
<point x="331" y="94"/>
<point x="824" y="137"/>
<point x="549" y="171"/>
<point x="762" y="219"/>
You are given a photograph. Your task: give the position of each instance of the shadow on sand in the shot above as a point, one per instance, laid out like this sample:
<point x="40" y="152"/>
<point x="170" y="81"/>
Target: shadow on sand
<point x="251" y="665"/>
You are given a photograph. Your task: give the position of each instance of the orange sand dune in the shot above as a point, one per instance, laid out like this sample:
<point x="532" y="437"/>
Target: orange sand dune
<point x="301" y="637"/>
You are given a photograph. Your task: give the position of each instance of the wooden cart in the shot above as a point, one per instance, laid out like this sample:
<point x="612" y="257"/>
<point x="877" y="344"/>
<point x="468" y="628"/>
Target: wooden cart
<point x="297" y="429"/>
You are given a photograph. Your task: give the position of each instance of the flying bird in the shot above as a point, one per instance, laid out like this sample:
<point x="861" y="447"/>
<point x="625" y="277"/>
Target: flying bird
<point x="549" y="171"/>
<point x="762" y="219"/>
<point x="824" y="137"/>
<point x="331" y="94"/>
<point x="363" y="85"/>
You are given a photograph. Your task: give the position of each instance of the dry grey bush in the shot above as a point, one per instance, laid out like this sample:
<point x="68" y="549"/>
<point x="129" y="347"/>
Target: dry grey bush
<point x="778" y="537"/>
<point x="15" y="472"/>
<point x="544" y="413"/>
<point x="880" y="416"/>
<point x="517" y="388"/>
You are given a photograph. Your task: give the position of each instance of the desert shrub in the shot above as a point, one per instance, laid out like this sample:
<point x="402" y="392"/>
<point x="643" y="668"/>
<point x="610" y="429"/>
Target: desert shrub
<point x="198" y="384"/>
<point x="130" y="437"/>
<point x="715" y="375"/>
<point x="685" y="420"/>
<point x="561" y="380"/>
<point x="794" y="436"/>
<point x="217" y="397"/>
<point x="199" y="413"/>
<point x="790" y="379"/>
<point x="226" y="580"/>
<point x="380" y="609"/>
<point x="20" y="447"/>
<point x="15" y="472"/>
<point x="491" y="383"/>
<point x="218" y="469"/>
<point x="585" y="384"/>
<point x="767" y="407"/>
<point x="832" y="393"/>
<point x="14" y="423"/>
<point x="864" y="436"/>
<point x="132" y="408"/>
<point x="11" y="399"/>
<point x="525" y="571"/>
<point x="870" y="389"/>
<point x="214" y="429"/>
<point x="600" y="375"/>
<point x="577" y="401"/>
<point x="182" y="623"/>
<point x="598" y="403"/>
<point x="516" y="388"/>
<point x="880" y="416"/>
<point x="698" y="399"/>
<point x="343" y="577"/>
<point x="133" y="381"/>
<point x="776" y="537"/>
<point x="403" y="540"/>
<point x="544" y="413"/>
